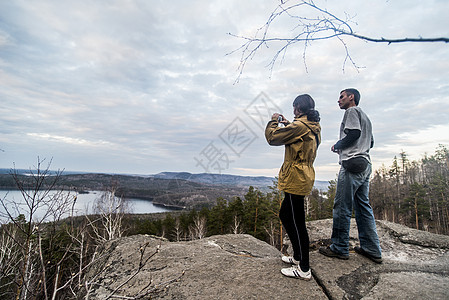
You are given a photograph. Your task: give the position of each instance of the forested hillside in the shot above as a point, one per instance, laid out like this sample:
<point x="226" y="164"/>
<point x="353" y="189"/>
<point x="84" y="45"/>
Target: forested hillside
<point x="414" y="193"/>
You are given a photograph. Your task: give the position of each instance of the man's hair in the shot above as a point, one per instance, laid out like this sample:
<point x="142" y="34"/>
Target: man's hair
<point x="354" y="92"/>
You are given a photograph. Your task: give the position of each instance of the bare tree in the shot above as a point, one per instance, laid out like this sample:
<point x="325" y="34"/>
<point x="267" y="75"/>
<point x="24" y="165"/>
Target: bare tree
<point x="310" y="23"/>
<point x="9" y="260"/>
<point x="40" y="203"/>
<point x="43" y="255"/>
<point x="272" y="233"/>
<point x="236" y="227"/>
<point x="110" y="209"/>
<point x="32" y="269"/>
<point x="198" y="229"/>
<point x="178" y="229"/>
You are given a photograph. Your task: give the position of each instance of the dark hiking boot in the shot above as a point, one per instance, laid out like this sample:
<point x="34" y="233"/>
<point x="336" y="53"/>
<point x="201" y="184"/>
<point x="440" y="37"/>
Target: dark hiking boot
<point x="377" y="260"/>
<point x="328" y="252"/>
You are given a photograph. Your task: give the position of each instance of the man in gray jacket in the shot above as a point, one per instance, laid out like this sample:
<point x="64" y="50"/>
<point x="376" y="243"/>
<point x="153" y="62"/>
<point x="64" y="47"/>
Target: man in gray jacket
<point x="356" y="140"/>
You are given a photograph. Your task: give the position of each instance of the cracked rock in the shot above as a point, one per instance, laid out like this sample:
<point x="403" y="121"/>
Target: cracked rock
<point x="415" y="266"/>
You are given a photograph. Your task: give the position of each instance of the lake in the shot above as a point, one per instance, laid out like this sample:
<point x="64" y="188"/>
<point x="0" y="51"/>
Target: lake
<point x="85" y="202"/>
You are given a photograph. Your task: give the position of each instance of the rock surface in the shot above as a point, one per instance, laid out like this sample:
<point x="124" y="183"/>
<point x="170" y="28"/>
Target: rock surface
<point x="416" y="265"/>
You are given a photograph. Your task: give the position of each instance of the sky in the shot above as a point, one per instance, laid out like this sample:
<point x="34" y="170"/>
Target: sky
<point x="142" y="87"/>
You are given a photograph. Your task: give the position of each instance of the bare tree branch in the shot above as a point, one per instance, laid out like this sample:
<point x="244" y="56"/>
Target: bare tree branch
<point x="312" y="23"/>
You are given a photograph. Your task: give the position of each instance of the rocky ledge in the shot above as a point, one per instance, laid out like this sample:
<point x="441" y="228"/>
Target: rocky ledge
<point x="415" y="266"/>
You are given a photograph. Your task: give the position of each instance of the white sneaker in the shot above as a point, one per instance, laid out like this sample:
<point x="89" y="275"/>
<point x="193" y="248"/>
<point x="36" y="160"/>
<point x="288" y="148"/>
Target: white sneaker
<point x="289" y="260"/>
<point x="296" y="272"/>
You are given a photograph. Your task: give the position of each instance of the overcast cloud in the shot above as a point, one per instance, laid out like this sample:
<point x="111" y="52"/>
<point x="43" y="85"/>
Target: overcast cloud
<point x="142" y="87"/>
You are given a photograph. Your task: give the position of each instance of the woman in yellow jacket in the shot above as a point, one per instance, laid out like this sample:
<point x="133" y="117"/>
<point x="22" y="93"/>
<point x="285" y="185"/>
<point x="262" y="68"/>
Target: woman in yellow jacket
<point x="296" y="177"/>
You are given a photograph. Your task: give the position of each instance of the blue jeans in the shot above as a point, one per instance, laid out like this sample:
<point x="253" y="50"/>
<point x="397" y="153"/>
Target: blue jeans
<point x="352" y="192"/>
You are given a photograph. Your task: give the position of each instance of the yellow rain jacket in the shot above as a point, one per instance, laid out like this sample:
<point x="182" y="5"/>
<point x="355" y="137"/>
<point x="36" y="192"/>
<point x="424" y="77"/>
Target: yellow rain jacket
<point x="301" y="139"/>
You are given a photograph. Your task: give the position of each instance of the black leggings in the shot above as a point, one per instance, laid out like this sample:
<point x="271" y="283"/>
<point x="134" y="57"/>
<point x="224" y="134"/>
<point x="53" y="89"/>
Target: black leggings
<point x="293" y="218"/>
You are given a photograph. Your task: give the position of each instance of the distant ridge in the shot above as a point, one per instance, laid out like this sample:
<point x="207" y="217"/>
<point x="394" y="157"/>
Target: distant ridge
<point x="222" y="179"/>
<point x="262" y="182"/>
